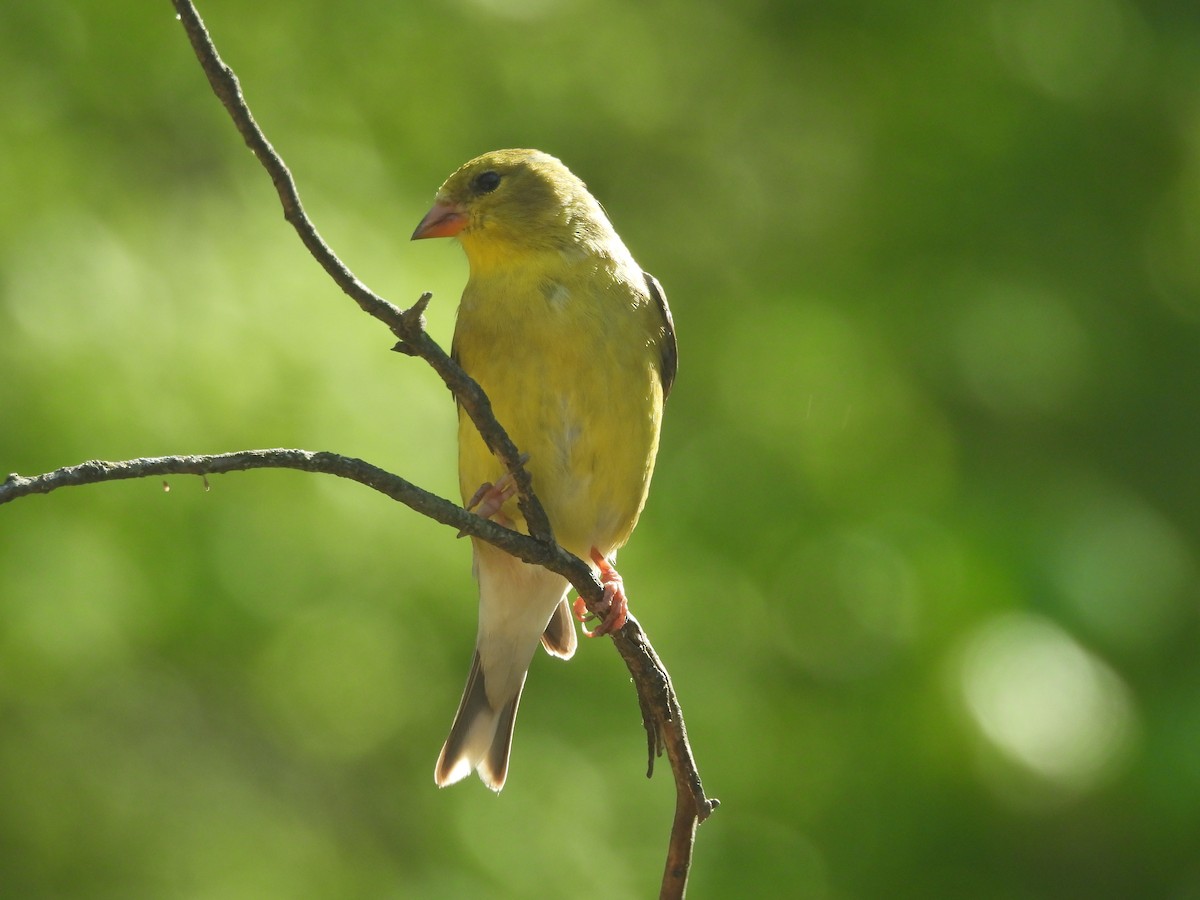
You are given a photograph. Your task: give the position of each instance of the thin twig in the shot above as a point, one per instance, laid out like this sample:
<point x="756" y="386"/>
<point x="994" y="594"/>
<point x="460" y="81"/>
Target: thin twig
<point x="660" y="709"/>
<point x="422" y="501"/>
<point x="656" y="697"/>
<point x="654" y="685"/>
<point x="407" y="325"/>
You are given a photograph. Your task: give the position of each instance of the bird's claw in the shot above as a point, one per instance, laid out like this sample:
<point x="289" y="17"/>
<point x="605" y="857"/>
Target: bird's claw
<point x="614" y="605"/>
<point x="490" y="498"/>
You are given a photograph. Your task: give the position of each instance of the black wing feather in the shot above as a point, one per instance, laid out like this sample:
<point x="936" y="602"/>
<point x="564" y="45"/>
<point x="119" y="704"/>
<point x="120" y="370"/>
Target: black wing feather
<point x="670" y="349"/>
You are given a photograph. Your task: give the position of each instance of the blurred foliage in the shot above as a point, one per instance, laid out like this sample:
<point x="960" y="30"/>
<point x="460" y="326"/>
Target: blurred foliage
<point x="921" y="552"/>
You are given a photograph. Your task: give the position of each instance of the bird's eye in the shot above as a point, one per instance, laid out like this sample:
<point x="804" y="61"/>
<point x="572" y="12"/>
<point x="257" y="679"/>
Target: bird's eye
<point x="486" y="182"/>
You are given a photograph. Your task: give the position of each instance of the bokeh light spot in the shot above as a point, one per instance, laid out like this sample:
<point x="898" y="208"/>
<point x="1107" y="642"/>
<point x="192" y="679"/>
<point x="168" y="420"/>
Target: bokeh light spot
<point x="1045" y="702"/>
<point x="1124" y="568"/>
<point x="1066" y="48"/>
<point x="860" y="605"/>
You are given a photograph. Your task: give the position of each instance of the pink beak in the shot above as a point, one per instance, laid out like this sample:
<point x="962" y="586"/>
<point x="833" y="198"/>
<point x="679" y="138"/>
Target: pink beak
<point x="443" y="220"/>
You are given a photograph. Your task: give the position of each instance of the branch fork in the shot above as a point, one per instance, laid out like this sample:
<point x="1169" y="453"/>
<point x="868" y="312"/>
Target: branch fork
<point x="661" y="713"/>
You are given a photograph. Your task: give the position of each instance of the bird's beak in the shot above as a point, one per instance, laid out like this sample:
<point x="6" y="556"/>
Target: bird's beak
<point x="443" y="220"/>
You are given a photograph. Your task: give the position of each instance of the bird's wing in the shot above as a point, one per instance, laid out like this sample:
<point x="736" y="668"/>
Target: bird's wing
<point x="670" y="350"/>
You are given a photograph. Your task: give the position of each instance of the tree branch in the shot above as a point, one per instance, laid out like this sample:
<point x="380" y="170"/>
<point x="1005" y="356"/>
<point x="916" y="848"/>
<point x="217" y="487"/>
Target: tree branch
<point x="407" y="325"/>
<point x="422" y="501"/>
<point x="660" y="708"/>
<point x="661" y="713"/>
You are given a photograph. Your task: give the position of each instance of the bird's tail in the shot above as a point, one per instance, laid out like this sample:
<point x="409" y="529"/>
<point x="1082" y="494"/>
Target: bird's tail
<point x="481" y="735"/>
<point x="518" y="604"/>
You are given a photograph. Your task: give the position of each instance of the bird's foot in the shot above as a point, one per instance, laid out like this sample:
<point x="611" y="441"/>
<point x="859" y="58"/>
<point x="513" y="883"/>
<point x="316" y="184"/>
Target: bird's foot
<point x="490" y="498"/>
<point x="614" y="606"/>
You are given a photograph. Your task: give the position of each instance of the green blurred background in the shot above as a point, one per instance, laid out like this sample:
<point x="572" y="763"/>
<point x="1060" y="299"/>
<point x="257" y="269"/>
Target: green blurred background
<point x="921" y="552"/>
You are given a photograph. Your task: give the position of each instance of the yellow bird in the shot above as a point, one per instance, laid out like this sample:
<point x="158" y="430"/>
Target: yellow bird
<point x="575" y="347"/>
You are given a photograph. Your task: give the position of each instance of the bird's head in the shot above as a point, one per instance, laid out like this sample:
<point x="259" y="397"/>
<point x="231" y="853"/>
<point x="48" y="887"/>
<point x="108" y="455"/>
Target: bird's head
<point x="514" y="200"/>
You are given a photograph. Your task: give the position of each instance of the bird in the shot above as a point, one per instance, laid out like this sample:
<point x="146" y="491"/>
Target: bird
<point x="574" y="345"/>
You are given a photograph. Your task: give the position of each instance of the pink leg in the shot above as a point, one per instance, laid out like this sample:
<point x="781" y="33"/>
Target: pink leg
<point x="488" y="500"/>
<point x="615" y="603"/>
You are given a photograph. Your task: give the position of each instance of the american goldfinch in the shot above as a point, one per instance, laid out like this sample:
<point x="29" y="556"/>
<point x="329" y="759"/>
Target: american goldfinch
<point x="575" y="347"/>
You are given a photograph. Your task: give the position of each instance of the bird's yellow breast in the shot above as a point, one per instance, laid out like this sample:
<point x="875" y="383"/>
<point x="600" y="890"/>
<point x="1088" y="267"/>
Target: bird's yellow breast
<point x="567" y="351"/>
